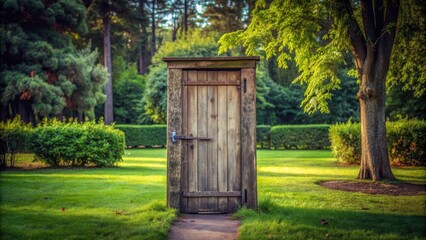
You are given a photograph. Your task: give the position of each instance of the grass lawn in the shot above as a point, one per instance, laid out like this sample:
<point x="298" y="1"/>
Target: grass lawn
<point x="128" y="202"/>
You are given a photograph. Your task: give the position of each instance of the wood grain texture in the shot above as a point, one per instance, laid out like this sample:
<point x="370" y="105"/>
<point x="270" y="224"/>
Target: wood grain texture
<point x="185" y="145"/>
<point x="202" y="132"/>
<point x="248" y="139"/>
<point x="212" y="126"/>
<point x="221" y="83"/>
<point x="234" y="150"/>
<point x="211" y="194"/>
<point x="212" y="65"/>
<point x="174" y="150"/>
<point x="192" y="173"/>
<point x="222" y="141"/>
<point x="213" y="59"/>
<point x="207" y="98"/>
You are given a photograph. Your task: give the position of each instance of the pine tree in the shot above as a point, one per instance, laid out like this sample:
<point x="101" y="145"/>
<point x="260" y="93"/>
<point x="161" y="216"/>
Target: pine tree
<point x="42" y="72"/>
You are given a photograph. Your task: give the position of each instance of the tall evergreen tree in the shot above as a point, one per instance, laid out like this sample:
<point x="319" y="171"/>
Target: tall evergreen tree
<point x="42" y="73"/>
<point x="104" y="10"/>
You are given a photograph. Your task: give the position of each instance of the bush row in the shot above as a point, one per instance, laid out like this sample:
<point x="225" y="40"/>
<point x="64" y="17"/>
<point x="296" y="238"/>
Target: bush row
<point x="144" y="135"/>
<point x="15" y="137"/>
<point x="263" y="136"/>
<point x="406" y="142"/>
<point x="300" y="136"/>
<point x="292" y="136"/>
<point x="64" y="143"/>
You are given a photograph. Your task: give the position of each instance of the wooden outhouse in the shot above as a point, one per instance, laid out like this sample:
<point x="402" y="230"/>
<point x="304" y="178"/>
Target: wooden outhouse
<point x="211" y="124"/>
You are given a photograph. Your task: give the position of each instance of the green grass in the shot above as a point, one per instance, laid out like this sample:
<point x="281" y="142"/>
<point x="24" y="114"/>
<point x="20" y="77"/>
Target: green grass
<point x="292" y="204"/>
<point x="128" y="202"/>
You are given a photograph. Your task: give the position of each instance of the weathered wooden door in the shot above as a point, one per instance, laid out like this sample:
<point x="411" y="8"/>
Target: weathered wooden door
<point x="211" y="166"/>
<point x="211" y="123"/>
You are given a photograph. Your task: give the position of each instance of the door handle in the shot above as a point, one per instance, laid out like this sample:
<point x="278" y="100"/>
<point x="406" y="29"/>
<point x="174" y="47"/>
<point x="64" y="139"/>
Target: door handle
<point x="190" y="137"/>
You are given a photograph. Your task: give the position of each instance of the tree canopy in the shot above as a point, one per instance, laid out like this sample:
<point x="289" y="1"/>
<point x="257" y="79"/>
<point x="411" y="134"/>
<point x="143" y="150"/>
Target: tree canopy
<point x="318" y="35"/>
<point x="42" y="73"/>
<point x="50" y="65"/>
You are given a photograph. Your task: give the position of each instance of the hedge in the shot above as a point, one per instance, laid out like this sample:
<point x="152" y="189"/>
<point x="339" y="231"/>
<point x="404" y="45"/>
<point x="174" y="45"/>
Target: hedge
<point x="406" y="141"/>
<point x="300" y="136"/>
<point x="15" y="137"/>
<point x="59" y="143"/>
<point x="263" y="136"/>
<point x="144" y="135"/>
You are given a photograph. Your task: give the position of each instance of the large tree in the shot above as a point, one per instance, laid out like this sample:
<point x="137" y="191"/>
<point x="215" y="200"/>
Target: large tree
<point x="317" y="33"/>
<point x="42" y="74"/>
<point x="104" y="11"/>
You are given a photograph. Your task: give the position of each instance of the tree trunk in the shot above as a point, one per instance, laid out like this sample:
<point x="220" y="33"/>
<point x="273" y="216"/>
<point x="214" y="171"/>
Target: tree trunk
<point x="143" y="58"/>
<point x="185" y="16"/>
<point x="108" y="107"/>
<point x="4" y="112"/>
<point x="374" y="153"/>
<point x="153" y="36"/>
<point x="143" y="55"/>
<point x="371" y="49"/>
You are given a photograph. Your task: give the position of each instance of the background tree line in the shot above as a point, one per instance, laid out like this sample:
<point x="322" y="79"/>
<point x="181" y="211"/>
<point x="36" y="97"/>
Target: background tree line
<point x="102" y="58"/>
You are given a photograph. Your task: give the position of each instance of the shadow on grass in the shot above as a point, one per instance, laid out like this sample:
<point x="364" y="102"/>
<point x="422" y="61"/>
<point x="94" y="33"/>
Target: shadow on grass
<point x="298" y="175"/>
<point x="68" y="225"/>
<point x="277" y="221"/>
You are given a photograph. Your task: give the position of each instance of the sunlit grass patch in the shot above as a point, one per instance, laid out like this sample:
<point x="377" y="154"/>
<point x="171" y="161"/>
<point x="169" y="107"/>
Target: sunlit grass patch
<point x="128" y="201"/>
<point x="123" y="202"/>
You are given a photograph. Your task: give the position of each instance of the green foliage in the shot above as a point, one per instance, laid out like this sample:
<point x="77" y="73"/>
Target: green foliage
<point x="405" y="138"/>
<point x="317" y="51"/>
<point x="300" y="136"/>
<point x="40" y="62"/>
<point x="345" y="141"/>
<point x="194" y="44"/>
<point x="314" y="35"/>
<point x="407" y="142"/>
<point x="263" y="137"/>
<point x="144" y="135"/>
<point x="72" y="143"/>
<point x="15" y="137"/>
<point x="407" y="72"/>
<point x="128" y="91"/>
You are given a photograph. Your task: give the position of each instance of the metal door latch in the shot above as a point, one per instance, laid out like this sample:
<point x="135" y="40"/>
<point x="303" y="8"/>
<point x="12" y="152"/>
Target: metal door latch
<point x="190" y="137"/>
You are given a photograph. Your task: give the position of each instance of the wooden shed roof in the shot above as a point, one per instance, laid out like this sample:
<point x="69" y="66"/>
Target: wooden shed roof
<point x="211" y="62"/>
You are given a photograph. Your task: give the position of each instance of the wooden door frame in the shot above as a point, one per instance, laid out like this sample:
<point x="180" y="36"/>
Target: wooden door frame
<point x="247" y="65"/>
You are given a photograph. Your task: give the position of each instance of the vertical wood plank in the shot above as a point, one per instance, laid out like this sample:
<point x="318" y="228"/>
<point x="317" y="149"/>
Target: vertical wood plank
<point x="234" y="167"/>
<point x="212" y="124"/>
<point x="222" y="142"/>
<point x="192" y="152"/>
<point x="248" y="138"/>
<point x="185" y="147"/>
<point x="174" y="150"/>
<point x="202" y="132"/>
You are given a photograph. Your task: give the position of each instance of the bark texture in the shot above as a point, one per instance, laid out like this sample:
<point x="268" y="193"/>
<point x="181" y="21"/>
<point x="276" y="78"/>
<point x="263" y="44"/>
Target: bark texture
<point x="371" y="51"/>
<point x="108" y="107"/>
<point x="143" y="55"/>
<point x="153" y="35"/>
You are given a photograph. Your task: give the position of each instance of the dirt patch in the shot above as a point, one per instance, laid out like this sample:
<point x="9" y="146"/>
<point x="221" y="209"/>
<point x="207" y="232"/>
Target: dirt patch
<point x="391" y="189"/>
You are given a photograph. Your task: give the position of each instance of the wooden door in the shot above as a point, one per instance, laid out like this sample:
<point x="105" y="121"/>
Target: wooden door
<point x="211" y="154"/>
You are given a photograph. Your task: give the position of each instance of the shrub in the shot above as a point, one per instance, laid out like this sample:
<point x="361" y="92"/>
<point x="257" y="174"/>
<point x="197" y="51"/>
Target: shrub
<point x="71" y="143"/>
<point x="406" y="142"/>
<point x="263" y="137"/>
<point x="144" y="135"/>
<point x="346" y="143"/>
<point x="300" y="136"/>
<point x="15" y="137"/>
